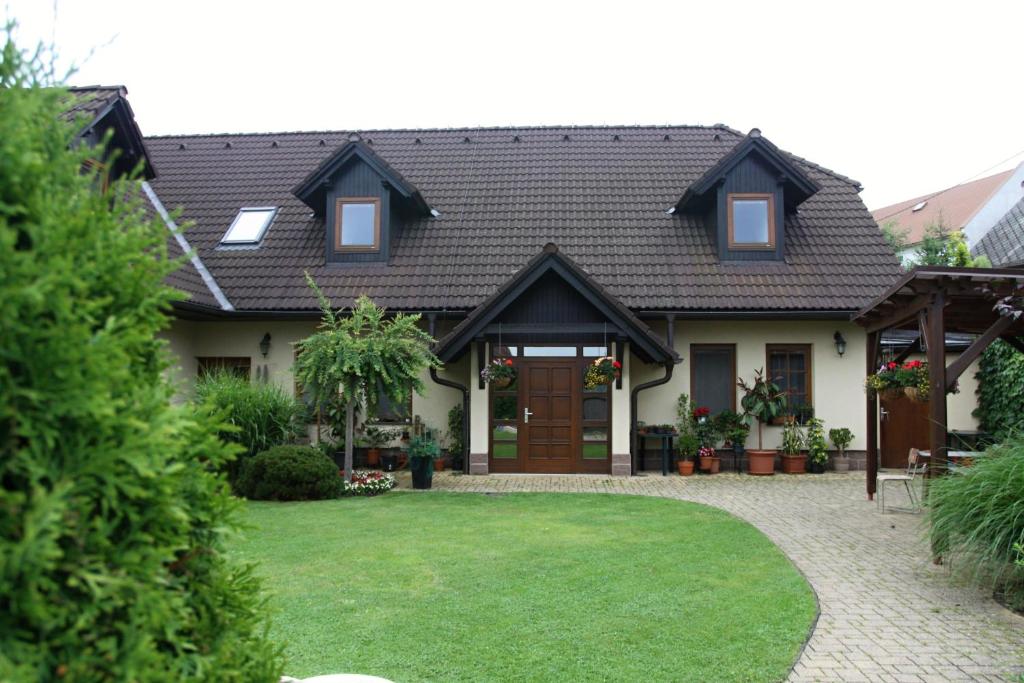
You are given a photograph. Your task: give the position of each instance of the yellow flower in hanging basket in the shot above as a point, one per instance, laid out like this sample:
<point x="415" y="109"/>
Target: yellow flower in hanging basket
<point x="603" y="370"/>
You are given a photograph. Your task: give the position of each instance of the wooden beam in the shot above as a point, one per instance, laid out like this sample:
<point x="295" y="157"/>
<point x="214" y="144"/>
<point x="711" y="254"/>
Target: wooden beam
<point x="874" y="341"/>
<point x="905" y="353"/>
<point x="1015" y="342"/>
<point x="902" y="314"/>
<point x="957" y="367"/>
<point x="936" y="331"/>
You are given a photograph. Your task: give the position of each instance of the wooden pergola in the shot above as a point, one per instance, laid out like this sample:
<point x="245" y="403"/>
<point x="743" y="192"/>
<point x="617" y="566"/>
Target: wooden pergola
<point x="933" y="300"/>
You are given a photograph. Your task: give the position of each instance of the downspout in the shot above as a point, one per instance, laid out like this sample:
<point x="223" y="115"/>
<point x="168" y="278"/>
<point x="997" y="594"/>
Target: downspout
<point x="431" y="318"/>
<point x="633" y="394"/>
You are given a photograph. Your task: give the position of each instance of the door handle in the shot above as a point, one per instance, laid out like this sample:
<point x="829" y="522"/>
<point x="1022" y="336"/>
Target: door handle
<point x="526" y="415"/>
<point x="883" y="412"/>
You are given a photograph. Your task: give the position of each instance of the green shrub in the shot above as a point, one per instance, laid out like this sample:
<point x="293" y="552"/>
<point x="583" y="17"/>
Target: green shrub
<point x="978" y="513"/>
<point x="1001" y="390"/>
<point x="290" y="473"/>
<point x="112" y="516"/>
<point x="261" y="415"/>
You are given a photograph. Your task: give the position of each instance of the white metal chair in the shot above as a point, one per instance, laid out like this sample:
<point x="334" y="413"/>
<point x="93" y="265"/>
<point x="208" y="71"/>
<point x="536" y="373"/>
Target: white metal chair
<point x="914" y="468"/>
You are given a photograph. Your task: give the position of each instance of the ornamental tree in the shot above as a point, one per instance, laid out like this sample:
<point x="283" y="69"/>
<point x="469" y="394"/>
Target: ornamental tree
<point x="361" y="354"/>
<point x="112" y="513"/>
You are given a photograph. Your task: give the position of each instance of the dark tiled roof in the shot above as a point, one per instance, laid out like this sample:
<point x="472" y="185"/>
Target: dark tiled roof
<point x="92" y="101"/>
<point x="1004" y="243"/>
<point x="600" y="193"/>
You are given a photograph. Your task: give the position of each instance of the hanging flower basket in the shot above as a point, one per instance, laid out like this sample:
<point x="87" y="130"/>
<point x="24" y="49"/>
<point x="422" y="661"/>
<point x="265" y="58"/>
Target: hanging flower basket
<point x="499" y="373"/>
<point x="915" y="394"/>
<point x="604" y="370"/>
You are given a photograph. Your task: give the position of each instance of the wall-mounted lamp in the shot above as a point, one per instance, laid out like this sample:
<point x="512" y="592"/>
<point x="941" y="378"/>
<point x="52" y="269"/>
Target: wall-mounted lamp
<point x="839" y="341"/>
<point x="265" y="344"/>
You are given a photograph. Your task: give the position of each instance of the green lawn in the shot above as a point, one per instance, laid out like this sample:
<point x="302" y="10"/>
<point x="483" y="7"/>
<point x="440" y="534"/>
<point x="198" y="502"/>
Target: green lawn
<point x="536" y="587"/>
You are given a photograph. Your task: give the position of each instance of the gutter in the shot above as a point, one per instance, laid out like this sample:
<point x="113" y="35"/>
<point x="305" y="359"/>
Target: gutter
<point x="432" y="320"/>
<point x="186" y="248"/>
<point x="670" y="325"/>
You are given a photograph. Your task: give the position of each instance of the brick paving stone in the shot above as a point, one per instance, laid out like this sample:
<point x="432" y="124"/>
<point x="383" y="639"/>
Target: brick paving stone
<point x="887" y="613"/>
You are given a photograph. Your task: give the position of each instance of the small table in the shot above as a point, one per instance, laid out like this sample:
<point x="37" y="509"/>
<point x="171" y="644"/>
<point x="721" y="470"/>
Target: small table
<point x="955" y="458"/>
<point x="666" y="449"/>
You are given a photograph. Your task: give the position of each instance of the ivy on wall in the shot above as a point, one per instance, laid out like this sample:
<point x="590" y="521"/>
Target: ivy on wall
<point x="1001" y="390"/>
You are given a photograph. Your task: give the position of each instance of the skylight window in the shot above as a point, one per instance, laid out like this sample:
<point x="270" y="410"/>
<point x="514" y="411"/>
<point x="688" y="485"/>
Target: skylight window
<point x="919" y="205"/>
<point x="250" y="225"/>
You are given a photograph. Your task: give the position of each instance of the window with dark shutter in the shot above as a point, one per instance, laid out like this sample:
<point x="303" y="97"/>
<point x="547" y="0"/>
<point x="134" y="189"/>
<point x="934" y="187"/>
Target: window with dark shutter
<point x="713" y="376"/>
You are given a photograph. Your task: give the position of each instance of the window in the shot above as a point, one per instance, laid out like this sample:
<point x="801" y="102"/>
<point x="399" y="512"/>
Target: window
<point x="357" y="224"/>
<point x="789" y="366"/>
<point x="236" y="365"/>
<point x="386" y="412"/>
<point x="751" y="221"/>
<point x="713" y="376"/>
<point x="249" y="225"/>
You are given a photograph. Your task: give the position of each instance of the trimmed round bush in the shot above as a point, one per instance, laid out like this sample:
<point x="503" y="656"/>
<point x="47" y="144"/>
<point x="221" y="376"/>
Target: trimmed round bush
<point x="290" y="473"/>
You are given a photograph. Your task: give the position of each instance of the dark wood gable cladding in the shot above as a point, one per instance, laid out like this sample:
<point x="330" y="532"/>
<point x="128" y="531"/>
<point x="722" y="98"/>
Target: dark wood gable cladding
<point x="754" y="167"/>
<point x="552" y="299"/>
<point x="356" y="172"/>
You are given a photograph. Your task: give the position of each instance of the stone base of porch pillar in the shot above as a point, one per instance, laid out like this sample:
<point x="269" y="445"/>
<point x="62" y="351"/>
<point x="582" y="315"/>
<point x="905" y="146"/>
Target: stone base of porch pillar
<point x="621" y="465"/>
<point x="478" y="463"/>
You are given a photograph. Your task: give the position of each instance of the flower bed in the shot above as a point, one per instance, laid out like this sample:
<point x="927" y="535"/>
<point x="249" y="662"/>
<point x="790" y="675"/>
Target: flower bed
<point x="368" y="483"/>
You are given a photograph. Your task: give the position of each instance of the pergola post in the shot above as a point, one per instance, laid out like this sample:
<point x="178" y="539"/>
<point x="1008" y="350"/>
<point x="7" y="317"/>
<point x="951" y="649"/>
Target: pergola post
<point x="936" y="338"/>
<point x="874" y="341"/>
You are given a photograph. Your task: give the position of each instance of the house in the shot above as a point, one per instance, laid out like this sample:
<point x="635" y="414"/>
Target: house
<point x="972" y="208"/>
<point x="692" y="254"/>
<point x="1004" y="243"/>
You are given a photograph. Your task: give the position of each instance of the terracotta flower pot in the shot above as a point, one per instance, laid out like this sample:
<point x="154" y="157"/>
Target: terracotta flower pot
<point x="841" y="463"/>
<point x="915" y="394"/>
<point x="686" y="468"/>
<point x="439" y="465"/>
<point x="794" y="464"/>
<point x="710" y="464"/>
<point x="372" y="457"/>
<point x="760" y="462"/>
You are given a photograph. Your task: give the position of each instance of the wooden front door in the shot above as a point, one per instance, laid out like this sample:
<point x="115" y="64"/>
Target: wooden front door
<point x="548" y="435"/>
<point x="903" y="424"/>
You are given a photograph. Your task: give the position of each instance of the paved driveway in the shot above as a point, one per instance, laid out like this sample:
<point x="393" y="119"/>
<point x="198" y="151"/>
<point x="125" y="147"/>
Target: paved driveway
<point x="887" y="613"/>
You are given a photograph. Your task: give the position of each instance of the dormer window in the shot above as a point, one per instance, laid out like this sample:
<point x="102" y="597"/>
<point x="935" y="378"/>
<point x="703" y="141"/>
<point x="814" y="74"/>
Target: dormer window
<point x="751" y="218"/>
<point x="249" y="226"/>
<point x="357" y="224"/>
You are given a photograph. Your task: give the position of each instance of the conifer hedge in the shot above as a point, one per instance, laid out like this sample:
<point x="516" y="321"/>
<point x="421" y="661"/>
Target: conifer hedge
<point x="112" y="516"/>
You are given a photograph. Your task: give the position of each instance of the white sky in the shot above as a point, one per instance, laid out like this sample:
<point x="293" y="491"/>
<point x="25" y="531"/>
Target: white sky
<point x="906" y="97"/>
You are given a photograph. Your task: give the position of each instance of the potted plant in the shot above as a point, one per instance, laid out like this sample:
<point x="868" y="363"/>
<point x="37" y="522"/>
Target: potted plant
<point x="375" y="437"/>
<point x="885" y="382"/>
<point x="794" y="460"/>
<point x="500" y="373"/>
<point x="603" y="370"/>
<point x="687" y="443"/>
<point x="763" y="401"/>
<point x="709" y="460"/>
<point x="913" y="375"/>
<point x="841" y="438"/>
<point x="422" y="453"/>
<point x="733" y="428"/>
<point x="817" y="446"/>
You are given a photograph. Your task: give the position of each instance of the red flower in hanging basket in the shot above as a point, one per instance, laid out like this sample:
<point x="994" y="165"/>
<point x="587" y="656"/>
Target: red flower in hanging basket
<point x="617" y="365"/>
<point x="508" y="362"/>
<point x="604" y="370"/>
<point x="703" y="411"/>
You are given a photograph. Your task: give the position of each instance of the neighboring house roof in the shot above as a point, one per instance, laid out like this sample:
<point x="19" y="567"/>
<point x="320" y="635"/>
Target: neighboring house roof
<point x="104" y="107"/>
<point x="600" y="193"/>
<point x="1004" y="243"/>
<point x="955" y="206"/>
<point x="550" y="260"/>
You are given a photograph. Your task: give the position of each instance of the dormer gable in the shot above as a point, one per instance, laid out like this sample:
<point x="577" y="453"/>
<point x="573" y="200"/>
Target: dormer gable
<point x="360" y="198"/>
<point x="102" y="109"/>
<point x="745" y="197"/>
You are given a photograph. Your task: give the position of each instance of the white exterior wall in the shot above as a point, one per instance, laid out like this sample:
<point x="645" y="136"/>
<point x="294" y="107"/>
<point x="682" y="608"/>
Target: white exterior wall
<point x="189" y="340"/>
<point x="620" y="408"/>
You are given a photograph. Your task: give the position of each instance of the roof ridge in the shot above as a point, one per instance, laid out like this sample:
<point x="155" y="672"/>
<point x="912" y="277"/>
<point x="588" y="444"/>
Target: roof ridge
<point x="457" y="129"/>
